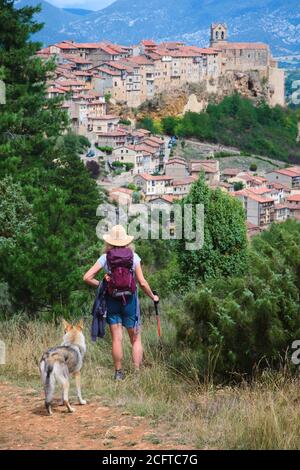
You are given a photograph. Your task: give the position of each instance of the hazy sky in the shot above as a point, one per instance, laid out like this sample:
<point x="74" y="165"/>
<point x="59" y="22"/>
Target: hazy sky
<point x="87" y="4"/>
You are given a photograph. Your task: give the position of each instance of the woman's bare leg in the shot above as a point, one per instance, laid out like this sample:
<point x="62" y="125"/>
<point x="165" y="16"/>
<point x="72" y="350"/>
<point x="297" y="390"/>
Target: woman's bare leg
<point x="137" y="348"/>
<point x="117" y="348"/>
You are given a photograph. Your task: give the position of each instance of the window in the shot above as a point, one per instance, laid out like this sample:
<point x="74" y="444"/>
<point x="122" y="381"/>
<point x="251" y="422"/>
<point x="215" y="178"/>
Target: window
<point x="116" y="83"/>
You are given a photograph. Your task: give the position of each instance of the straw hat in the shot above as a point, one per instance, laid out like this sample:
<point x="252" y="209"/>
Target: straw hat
<point x="118" y="236"/>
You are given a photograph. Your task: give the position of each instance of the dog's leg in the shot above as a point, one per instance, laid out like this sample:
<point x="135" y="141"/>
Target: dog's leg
<point x="61" y="403"/>
<point x="62" y="377"/>
<point x="66" y="395"/>
<point x="78" y="388"/>
<point x="49" y="384"/>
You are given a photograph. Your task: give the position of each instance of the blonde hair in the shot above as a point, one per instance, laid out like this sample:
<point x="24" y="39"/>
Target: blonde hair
<point x="108" y="246"/>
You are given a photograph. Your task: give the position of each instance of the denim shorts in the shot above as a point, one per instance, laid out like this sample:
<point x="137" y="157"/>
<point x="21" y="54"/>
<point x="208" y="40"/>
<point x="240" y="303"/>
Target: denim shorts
<point x="118" y="312"/>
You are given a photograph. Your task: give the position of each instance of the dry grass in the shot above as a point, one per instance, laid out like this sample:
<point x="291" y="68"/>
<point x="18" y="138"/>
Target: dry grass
<point x="262" y="415"/>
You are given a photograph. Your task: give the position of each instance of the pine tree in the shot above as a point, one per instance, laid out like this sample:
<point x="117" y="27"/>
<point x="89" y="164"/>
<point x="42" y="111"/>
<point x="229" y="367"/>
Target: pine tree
<point x="42" y="266"/>
<point x="225" y="241"/>
<point x="29" y="122"/>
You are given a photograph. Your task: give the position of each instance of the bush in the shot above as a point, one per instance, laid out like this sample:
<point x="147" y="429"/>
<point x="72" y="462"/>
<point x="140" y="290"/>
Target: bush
<point x="93" y="168"/>
<point x="105" y="148"/>
<point x="132" y="186"/>
<point x="126" y="122"/>
<point x="238" y="186"/>
<point x="84" y="141"/>
<point x="236" y="324"/>
<point x="117" y="164"/>
<point x="253" y="167"/>
<point x="129" y="166"/>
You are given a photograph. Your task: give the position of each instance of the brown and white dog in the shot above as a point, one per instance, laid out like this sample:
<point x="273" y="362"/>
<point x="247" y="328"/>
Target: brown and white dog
<point x="58" y="363"/>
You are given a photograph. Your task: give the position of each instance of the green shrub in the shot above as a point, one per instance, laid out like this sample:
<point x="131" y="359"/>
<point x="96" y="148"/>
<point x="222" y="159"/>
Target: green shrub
<point x="253" y="167"/>
<point x="126" y="122"/>
<point x="236" y="324"/>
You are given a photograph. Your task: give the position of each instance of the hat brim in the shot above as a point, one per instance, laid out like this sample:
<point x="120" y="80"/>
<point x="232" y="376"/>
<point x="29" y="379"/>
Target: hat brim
<point x="118" y="241"/>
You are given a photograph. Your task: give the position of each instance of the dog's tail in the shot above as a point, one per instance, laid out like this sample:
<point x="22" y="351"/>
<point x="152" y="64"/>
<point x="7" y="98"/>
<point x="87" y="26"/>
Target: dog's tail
<point x="48" y="379"/>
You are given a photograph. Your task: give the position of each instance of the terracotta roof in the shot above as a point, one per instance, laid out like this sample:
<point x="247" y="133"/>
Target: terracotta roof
<point x="279" y="186"/>
<point x="249" y="194"/>
<point x="66" y="45"/>
<point x="231" y="171"/>
<point x="148" y="43"/>
<point x="140" y="60"/>
<point x="208" y="166"/>
<point x="177" y="161"/>
<point x="288" y="172"/>
<point x="156" y="140"/>
<point x="263" y="190"/>
<point x="166" y="197"/>
<point x="148" y="177"/>
<point x="280" y="206"/>
<point x="145" y="148"/>
<point x="122" y="190"/>
<point x="183" y="181"/>
<point x="150" y="143"/>
<point x="109" y="71"/>
<point x="144" y="131"/>
<point x="117" y="65"/>
<point x="294" y="198"/>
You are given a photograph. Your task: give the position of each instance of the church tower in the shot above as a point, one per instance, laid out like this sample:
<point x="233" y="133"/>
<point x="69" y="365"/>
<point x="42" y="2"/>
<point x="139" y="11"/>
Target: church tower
<point x="218" y="34"/>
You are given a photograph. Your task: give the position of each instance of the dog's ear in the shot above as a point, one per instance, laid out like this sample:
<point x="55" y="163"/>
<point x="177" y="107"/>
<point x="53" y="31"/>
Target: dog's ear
<point x="79" y="325"/>
<point x="66" y="325"/>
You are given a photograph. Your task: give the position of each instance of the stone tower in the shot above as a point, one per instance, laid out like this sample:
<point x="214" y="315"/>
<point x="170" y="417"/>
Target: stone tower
<point x="218" y="34"/>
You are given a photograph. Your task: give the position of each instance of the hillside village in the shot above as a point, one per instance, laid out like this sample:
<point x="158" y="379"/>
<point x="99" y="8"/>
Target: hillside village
<point x="92" y="76"/>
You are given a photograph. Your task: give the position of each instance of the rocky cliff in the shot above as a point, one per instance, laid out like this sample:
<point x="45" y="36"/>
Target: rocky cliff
<point x="195" y="97"/>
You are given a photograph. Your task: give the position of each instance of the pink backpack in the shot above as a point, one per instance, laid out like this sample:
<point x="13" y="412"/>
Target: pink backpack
<point x="120" y="271"/>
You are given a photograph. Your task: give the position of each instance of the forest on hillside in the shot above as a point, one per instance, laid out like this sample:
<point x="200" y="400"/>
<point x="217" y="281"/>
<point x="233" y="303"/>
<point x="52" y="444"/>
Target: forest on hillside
<point x="237" y="122"/>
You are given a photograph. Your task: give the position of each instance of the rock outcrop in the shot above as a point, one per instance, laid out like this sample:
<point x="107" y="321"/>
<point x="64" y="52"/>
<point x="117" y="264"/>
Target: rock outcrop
<point x="196" y="96"/>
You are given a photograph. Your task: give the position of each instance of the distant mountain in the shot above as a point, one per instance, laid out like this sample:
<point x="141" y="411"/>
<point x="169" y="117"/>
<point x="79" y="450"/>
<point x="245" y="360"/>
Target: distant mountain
<point x="57" y="21"/>
<point x="78" y="11"/>
<point x="275" y="22"/>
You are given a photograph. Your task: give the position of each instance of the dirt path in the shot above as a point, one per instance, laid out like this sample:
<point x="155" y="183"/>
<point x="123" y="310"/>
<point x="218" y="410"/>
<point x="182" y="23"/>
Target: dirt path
<point x="24" y="425"/>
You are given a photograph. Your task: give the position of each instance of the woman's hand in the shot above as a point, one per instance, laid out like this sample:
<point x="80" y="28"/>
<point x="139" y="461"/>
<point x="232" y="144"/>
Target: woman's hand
<point x="155" y="298"/>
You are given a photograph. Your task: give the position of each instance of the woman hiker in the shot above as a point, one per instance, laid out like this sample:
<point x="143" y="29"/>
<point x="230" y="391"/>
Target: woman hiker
<point x="122" y="267"/>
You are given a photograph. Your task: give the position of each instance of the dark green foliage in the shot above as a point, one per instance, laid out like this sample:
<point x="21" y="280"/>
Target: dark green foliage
<point x="125" y="122"/>
<point x="106" y="148"/>
<point x="48" y="201"/>
<point x="238" y="323"/>
<point x="169" y="124"/>
<point x="253" y="167"/>
<point x="93" y="168"/>
<point x="238" y="186"/>
<point x="147" y="123"/>
<point x="225" y="242"/>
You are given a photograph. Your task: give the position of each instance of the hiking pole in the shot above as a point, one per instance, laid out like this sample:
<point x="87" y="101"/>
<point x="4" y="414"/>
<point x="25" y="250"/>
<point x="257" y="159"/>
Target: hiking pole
<point x="157" y="315"/>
